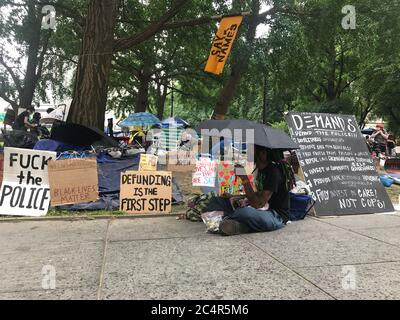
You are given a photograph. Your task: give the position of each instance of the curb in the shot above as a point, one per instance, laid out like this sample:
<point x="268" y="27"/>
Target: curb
<point x="88" y="217"/>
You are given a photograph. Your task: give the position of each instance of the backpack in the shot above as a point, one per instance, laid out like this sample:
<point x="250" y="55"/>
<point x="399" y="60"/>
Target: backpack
<point x="198" y="205"/>
<point x="300" y="205"/>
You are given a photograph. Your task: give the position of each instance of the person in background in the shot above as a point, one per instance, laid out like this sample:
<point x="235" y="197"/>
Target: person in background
<point x="263" y="209"/>
<point x="380" y="139"/>
<point x="22" y="120"/>
<point x="36" y="118"/>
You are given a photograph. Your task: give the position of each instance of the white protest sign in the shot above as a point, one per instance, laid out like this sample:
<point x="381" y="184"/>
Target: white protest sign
<point x="205" y="173"/>
<point x="25" y="189"/>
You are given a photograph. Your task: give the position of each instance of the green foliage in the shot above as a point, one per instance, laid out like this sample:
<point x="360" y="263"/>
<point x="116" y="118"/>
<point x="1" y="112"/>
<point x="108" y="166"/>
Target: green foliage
<point x="309" y="62"/>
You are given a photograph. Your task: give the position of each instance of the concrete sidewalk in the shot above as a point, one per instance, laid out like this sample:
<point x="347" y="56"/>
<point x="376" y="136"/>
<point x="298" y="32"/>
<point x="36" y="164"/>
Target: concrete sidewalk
<point x="354" y="257"/>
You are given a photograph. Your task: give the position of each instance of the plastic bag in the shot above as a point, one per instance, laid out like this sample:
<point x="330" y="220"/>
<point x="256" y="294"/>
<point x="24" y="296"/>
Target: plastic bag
<point x="212" y="220"/>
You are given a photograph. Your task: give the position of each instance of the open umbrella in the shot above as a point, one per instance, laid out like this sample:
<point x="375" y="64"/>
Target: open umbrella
<point x="139" y="119"/>
<point x="262" y="135"/>
<point x="368" y="131"/>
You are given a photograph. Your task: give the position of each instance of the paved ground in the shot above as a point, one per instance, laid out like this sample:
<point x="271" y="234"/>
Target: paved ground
<point x="164" y="258"/>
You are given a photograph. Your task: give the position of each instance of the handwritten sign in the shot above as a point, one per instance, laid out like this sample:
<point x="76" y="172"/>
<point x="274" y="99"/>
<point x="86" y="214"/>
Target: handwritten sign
<point x="146" y="192"/>
<point x="227" y="180"/>
<point x="181" y="161"/>
<point x="205" y="173"/>
<point x="73" y="181"/>
<point x="337" y="165"/>
<point x="25" y="188"/>
<point x="148" y="162"/>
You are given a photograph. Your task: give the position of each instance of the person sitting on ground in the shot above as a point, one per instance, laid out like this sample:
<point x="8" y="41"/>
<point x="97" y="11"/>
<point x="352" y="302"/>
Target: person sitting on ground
<point x="22" y="121"/>
<point x="267" y="208"/>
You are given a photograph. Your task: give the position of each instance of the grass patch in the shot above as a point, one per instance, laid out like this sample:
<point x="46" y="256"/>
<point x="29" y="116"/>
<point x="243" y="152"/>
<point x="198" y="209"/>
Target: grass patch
<point x="394" y="193"/>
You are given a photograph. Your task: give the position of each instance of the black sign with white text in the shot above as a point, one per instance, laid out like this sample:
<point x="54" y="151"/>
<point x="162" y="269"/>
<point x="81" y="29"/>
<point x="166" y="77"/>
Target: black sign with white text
<point x="337" y="165"/>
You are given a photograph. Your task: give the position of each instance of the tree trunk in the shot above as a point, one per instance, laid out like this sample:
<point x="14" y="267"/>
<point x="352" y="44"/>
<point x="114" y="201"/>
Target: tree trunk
<point x="142" y="98"/>
<point x="239" y="64"/>
<point x="94" y="66"/>
<point x="161" y="97"/>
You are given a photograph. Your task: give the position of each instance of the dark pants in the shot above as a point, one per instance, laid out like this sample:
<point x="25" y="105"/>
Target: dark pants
<point x="257" y="220"/>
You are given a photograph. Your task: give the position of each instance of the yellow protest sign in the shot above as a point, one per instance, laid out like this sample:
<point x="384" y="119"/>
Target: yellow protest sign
<point x="222" y="44"/>
<point x="148" y="162"/>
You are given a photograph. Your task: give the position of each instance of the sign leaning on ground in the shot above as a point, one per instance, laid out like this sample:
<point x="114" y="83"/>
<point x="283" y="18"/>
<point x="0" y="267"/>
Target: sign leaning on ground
<point x="73" y="181"/>
<point x="205" y="173"/>
<point x="337" y="164"/>
<point x="25" y="189"/>
<point x="148" y="162"/>
<point x="146" y="192"/>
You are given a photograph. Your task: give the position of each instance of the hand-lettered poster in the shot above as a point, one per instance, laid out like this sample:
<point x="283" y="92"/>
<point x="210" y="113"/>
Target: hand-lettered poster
<point x="148" y="162"/>
<point x="204" y="174"/>
<point x="146" y="192"/>
<point x="228" y="182"/>
<point x="337" y="165"/>
<point x="25" y="189"/>
<point x="222" y="44"/>
<point x="181" y="161"/>
<point x="73" y="181"/>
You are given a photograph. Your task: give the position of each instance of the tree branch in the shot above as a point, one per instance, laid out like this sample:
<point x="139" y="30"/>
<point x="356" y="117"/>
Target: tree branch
<point x="151" y="30"/>
<point x="7" y="99"/>
<point x="16" y="80"/>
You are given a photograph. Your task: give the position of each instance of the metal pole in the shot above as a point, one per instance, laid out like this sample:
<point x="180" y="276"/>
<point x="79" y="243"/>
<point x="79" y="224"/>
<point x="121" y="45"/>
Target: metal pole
<point x="172" y="99"/>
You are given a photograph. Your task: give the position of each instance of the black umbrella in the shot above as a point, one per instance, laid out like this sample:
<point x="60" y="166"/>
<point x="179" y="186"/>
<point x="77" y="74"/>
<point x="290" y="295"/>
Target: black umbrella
<point x="263" y="135"/>
<point x="81" y="136"/>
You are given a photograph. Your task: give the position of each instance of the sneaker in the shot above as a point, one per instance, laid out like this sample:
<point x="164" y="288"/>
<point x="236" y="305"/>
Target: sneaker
<point x="231" y="227"/>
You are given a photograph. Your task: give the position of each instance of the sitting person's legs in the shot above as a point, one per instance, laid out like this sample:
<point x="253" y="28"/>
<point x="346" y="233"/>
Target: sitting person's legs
<point x="220" y="204"/>
<point x="248" y="219"/>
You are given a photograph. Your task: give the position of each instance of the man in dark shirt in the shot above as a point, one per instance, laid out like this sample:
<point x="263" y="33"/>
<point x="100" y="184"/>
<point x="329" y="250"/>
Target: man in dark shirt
<point x="22" y="121"/>
<point x="268" y="205"/>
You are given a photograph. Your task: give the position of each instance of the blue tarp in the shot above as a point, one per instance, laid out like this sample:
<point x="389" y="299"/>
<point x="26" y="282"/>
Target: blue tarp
<point x="109" y="173"/>
<point x="53" y="145"/>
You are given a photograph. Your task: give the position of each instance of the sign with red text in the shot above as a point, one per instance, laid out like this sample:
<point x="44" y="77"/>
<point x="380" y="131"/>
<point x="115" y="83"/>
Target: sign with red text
<point x="204" y="174"/>
<point x="25" y="189"/>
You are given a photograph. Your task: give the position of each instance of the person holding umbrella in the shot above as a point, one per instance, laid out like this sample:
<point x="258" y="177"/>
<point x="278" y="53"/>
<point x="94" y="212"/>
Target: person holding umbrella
<point x="263" y="209"/>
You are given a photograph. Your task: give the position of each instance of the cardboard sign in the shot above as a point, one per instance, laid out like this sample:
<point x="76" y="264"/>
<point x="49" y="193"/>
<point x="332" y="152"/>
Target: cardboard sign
<point x="148" y="162"/>
<point x="1" y="167"/>
<point x="25" y="189"/>
<point x="181" y="161"/>
<point x="73" y="181"/>
<point x="222" y="44"/>
<point x="205" y="173"/>
<point x="337" y="165"/>
<point x="146" y="192"/>
<point x="228" y="182"/>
